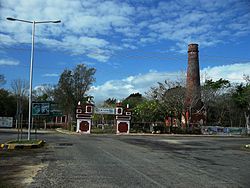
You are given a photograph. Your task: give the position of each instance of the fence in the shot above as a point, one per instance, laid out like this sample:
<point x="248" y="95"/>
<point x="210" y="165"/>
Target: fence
<point x="218" y="130"/>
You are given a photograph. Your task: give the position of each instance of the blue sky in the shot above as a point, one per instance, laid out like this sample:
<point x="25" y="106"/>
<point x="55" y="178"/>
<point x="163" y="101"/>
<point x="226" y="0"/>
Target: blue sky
<point x="133" y="44"/>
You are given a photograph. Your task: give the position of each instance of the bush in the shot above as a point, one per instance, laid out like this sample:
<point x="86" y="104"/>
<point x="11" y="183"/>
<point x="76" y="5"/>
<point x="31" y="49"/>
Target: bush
<point x="106" y="130"/>
<point x="178" y="130"/>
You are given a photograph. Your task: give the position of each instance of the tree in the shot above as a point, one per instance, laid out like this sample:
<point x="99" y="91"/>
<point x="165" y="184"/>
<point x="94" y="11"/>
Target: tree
<point x="20" y="90"/>
<point x="72" y="88"/>
<point x="133" y="100"/>
<point x="2" y="80"/>
<point x="110" y="102"/>
<point x="148" y="111"/>
<point x="7" y="104"/>
<point x="171" y="98"/>
<point x="214" y="96"/>
<point x="147" y="114"/>
<point x="241" y="97"/>
<point x="44" y="92"/>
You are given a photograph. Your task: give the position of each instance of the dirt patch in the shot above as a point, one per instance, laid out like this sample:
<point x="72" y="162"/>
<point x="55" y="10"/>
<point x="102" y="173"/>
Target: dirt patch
<point x="30" y="172"/>
<point x="19" y="167"/>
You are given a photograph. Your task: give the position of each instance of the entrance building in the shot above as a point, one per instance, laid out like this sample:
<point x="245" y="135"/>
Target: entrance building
<point x="85" y="112"/>
<point x="123" y="117"/>
<point x="84" y="116"/>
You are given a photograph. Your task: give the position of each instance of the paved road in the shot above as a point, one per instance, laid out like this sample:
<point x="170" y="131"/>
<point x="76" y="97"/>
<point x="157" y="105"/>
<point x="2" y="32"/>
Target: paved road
<point x="141" y="161"/>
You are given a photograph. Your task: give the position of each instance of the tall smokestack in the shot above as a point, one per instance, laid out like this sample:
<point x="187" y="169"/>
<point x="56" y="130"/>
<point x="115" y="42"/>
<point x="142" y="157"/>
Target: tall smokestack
<point x="193" y="95"/>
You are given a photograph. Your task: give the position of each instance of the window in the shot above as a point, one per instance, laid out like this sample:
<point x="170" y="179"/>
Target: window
<point x="88" y="109"/>
<point x="79" y="111"/>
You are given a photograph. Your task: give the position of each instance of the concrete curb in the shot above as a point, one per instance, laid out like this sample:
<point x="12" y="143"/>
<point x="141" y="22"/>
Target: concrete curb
<point x="60" y="130"/>
<point x="10" y="146"/>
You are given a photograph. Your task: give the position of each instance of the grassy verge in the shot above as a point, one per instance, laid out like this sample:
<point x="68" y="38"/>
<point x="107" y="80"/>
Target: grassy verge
<point x="4" y="185"/>
<point x="24" y="142"/>
<point x="108" y="130"/>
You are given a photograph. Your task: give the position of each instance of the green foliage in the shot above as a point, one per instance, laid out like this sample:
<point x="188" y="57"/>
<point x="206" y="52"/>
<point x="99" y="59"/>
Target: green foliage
<point x="170" y="97"/>
<point x="72" y="87"/>
<point x="7" y="103"/>
<point x="133" y="100"/>
<point x="241" y="96"/>
<point x="24" y="142"/>
<point x="106" y="130"/>
<point x="148" y="111"/>
<point x="215" y="85"/>
<point x="44" y="93"/>
<point x="110" y="102"/>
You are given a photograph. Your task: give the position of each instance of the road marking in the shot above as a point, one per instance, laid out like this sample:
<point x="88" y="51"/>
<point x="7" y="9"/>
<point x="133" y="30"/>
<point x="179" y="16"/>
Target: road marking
<point x="134" y="169"/>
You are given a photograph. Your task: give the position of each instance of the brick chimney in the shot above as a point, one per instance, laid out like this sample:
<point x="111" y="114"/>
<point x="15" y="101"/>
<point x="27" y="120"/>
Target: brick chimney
<point x="193" y="93"/>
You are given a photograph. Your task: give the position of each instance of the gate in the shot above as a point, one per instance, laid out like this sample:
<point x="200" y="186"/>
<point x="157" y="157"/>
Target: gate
<point x="85" y="112"/>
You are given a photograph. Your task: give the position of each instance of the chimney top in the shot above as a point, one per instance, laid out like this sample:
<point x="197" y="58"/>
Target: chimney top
<point x="193" y="48"/>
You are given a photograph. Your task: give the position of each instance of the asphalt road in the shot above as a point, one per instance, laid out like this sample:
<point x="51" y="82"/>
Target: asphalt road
<point x="133" y="161"/>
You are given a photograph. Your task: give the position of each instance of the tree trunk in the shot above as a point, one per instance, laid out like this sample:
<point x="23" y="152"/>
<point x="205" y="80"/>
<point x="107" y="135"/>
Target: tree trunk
<point x="247" y="123"/>
<point x="231" y="122"/>
<point x="21" y="127"/>
<point x="69" y="122"/>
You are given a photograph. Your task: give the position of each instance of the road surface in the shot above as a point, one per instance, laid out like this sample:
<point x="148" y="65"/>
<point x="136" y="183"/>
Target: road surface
<point x="131" y="161"/>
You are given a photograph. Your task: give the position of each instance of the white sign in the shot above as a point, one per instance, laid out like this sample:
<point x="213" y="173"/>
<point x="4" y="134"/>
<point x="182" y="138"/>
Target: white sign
<point x="104" y="111"/>
<point x="6" y="122"/>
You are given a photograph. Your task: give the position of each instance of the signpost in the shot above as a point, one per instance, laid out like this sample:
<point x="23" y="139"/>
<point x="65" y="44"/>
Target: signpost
<point x="104" y="110"/>
<point x="54" y="110"/>
<point x="45" y="109"/>
<point x="40" y="108"/>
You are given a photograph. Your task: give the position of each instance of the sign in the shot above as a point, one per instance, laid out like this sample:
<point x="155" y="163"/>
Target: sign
<point x="6" y="122"/>
<point x="40" y="108"/>
<point x="104" y="111"/>
<point x="56" y="113"/>
<point x="54" y="110"/>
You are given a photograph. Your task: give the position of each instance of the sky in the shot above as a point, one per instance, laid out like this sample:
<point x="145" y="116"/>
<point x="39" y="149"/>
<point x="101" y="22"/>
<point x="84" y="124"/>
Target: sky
<point x="133" y="44"/>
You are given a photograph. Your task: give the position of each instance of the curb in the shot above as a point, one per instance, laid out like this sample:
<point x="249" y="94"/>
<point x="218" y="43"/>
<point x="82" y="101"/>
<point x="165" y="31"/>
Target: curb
<point x="9" y="146"/>
<point x="66" y="132"/>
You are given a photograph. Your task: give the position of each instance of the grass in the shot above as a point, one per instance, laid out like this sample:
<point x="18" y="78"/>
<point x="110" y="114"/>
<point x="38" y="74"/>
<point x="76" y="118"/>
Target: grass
<point x="106" y="130"/>
<point x="24" y="142"/>
<point x="5" y="185"/>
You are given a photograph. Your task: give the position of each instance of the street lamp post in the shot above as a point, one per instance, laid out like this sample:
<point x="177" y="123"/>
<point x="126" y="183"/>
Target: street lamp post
<point x="31" y="61"/>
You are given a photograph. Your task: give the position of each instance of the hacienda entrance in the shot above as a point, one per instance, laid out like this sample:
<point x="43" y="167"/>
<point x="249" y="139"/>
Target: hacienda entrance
<point x="85" y="112"/>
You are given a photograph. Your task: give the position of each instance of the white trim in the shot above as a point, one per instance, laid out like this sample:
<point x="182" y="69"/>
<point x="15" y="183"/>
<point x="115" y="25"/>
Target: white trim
<point x="78" y="111"/>
<point x="90" y="111"/>
<point x="116" y="110"/>
<point x="78" y="125"/>
<point x="120" y="121"/>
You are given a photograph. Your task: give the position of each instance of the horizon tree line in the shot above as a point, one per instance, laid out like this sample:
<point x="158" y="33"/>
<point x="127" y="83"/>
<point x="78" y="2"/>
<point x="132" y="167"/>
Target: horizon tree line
<point x="225" y="103"/>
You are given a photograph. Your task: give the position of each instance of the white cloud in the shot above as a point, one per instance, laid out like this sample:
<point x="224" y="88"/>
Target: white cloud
<point x="141" y="83"/>
<point x="8" y="62"/>
<point x="233" y="72"/>
<point x="95" y="25"/>
<point x="83" y="30"/>
<point x="207" y="23"/>
<point x="50" y="75"/>
<point x="121" y="89"/>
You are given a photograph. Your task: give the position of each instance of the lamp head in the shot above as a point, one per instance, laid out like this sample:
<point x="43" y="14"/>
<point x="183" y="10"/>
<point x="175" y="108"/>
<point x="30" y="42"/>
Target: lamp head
<point x="11" y="19"/>
<point x="57" y="21"/>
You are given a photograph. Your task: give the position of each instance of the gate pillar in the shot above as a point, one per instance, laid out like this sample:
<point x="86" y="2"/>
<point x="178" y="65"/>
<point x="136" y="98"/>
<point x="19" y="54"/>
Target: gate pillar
<point x="84" y="116"/>
<point x="123" y="117"/>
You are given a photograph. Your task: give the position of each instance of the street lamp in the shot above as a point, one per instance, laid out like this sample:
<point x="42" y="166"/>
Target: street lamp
<point x="32" y="60"/>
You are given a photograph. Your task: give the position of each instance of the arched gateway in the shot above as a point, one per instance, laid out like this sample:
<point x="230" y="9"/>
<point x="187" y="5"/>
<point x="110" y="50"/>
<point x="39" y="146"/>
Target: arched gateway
<point x="85" y="112"/>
